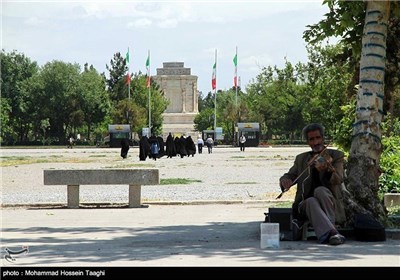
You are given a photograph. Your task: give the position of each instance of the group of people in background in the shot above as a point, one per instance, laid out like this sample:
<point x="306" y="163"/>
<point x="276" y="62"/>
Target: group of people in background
<point x="209" y="144"/>
<point x="154" y="147"/>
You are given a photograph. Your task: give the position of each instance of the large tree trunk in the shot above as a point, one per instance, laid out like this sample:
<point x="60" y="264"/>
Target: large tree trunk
<point x="363" y="167"/>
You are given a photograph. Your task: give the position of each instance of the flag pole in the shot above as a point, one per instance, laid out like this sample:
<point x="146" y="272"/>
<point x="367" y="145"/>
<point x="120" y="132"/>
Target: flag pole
<point x="239" y="84"/>
<point x="215" y="98"/>
<point x="235" y="61"/>
<point x="236" y="77"/>
<point x="148" y="77"/>
<point x="128" y="80"/>
<point x="129" y="76"/>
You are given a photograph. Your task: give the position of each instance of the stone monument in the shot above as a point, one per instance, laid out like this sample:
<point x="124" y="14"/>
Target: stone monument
<point x="180" y="88"/>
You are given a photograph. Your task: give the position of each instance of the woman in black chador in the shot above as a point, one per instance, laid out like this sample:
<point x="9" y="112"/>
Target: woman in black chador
<point x="170" y="146"/>
<point x="161" y="151"/>
<point x="144" y="148"/>
<point x="177" y="145"/>
<point x="182" y="146"/>
<point x="124" y="148"/>
<point x="190" y="146"/>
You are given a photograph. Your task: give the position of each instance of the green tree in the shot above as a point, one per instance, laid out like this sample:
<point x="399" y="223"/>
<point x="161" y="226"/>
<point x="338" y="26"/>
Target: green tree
<point x="15" y="69"/>
<point x="140" y="95"/>
<point x="59" y="84"/>
<point x="364" y="26"/>
<point x="204" y="120"/>
<point x="128" y="112"/>
<point x="346" y="21"/>
<point x="116" y="83"/>
<point x="94" y="99"/>
<point x="230" y="112"/>
<point x="325" y="79"/>
<point x="200" y="101"/>
<point x="275" y="101"/>
<point x="6" y="129"/>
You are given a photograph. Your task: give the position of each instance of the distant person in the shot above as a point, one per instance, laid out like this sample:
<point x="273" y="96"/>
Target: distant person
<point x="242" y="141"/>
<point x="71" y="141"/>
<point x="124" y="148"/>
<point x="144" y="148"/>
<point x="209" y="143"/>
<point x="190" y="146"/>
<point x="182" y="146"/>
<point x="161" y="147"/>
<point x="154" y="147"/>
<point x="200" y="144"/>
<point x="170" y="146"/>
<point x="177" y="145"/>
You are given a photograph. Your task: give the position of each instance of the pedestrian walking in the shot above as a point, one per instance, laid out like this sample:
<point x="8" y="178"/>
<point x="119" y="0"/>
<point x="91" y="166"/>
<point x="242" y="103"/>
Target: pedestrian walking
<point x="200" y="144"/>
<point x="210" y="143"/>
<point x="242" y="141"/>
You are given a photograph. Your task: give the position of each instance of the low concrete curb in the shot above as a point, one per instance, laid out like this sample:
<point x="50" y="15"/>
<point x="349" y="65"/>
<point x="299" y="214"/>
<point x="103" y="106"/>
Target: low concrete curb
<point x="110" y="204"/>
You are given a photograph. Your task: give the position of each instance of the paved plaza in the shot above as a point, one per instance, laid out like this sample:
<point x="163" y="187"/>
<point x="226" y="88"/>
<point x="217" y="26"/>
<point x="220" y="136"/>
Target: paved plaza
<point x="212" y="221"/>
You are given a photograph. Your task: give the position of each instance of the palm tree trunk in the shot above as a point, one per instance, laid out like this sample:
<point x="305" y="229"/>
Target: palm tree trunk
<point x="363" y="167"/>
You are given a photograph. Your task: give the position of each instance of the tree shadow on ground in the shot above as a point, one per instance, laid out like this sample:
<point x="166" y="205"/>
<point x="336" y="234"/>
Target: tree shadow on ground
<point x="107" y="245"/>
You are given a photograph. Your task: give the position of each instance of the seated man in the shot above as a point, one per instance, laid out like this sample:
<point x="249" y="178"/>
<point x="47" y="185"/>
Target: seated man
<point x="318" y="175"/>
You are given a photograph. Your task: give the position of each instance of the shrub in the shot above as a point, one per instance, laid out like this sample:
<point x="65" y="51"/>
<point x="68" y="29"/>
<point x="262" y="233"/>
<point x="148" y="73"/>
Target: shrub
<point x="389" y="182"/>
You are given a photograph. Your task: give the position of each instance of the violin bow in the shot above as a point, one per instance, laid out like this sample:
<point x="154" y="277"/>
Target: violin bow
<point x="305" y="169"/>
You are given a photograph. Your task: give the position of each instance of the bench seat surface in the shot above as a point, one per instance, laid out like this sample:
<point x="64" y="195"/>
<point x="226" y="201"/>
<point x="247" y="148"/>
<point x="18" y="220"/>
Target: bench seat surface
<point x="102" y="176"/>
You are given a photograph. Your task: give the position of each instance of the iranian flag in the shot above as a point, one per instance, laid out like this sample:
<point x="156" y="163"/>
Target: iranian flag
<point x="214" y="77"/>
<point x="128" y="79"/>
<point x="148" y="71"/>
<point x="235" y="77"/>
<point x="127" y="57"/>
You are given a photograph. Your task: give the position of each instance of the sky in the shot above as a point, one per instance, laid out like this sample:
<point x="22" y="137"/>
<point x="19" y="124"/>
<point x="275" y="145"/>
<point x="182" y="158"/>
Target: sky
<point x="265" y="32"/>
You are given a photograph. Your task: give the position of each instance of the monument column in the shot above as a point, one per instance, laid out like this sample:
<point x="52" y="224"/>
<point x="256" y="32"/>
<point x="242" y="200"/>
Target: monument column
<point x="195" y="95"/>
<point x="182" y="93"/>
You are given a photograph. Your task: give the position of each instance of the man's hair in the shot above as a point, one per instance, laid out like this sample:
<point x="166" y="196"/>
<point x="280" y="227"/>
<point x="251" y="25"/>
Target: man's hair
<point x="312" y="127"/>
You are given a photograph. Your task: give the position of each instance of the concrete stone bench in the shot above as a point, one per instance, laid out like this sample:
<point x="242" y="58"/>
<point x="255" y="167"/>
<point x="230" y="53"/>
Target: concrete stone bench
<point x="135" y="178"/>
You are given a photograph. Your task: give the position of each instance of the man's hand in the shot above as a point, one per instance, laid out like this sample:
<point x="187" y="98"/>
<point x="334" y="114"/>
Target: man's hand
<point x="286" y="184"/>
<point x="320" y="163"/>
<point x="324" y="163"/>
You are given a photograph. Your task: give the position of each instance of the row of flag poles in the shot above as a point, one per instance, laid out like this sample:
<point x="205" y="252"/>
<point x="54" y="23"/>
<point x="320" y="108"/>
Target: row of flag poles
<point x="148" y="80"/>
<point x="214" y="86"/>
<point x="214" y="72"/>
<point x="213" y="81"/>
<point x="128" y="76"/>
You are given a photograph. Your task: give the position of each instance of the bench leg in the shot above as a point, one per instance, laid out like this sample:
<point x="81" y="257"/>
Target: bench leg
<point x="73" y="196"/>
<point x="134" y="196"/>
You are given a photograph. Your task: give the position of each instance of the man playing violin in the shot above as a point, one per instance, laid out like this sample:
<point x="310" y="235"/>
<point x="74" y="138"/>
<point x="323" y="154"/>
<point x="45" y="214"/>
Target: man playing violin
<point x="319" y="178"/>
